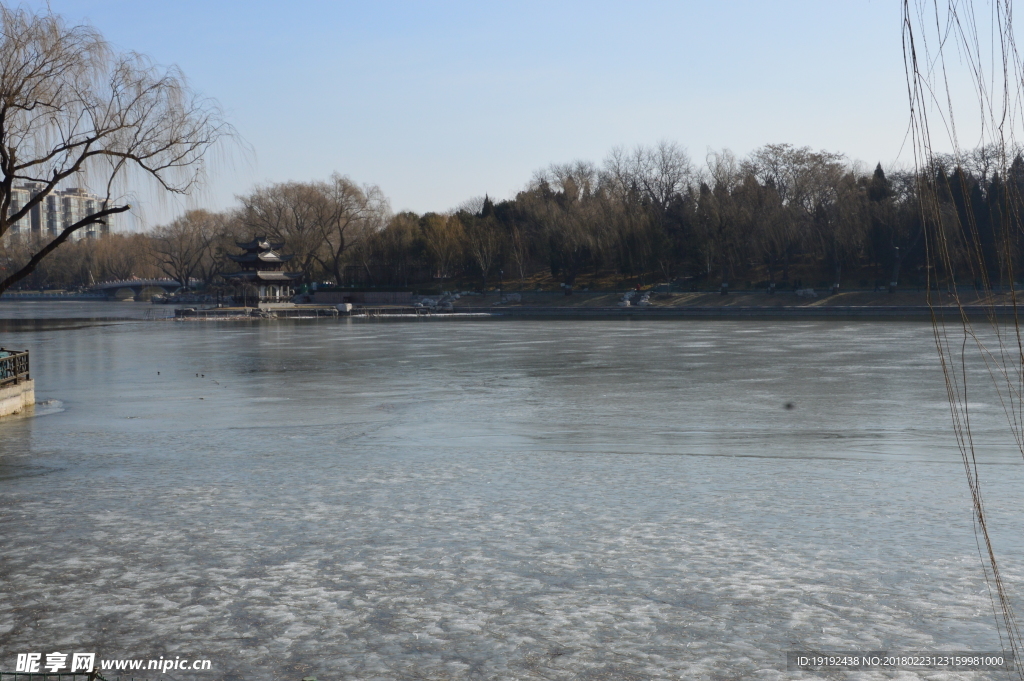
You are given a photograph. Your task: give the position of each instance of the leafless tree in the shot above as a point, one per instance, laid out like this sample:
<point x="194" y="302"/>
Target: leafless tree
<point x="718" y="217"/>
<point x="123" y="256"/>
<point x="74" y="110"/>
<point x="287" y="212"/>
<point x="659" y="173"/>
<point x="344" y="214"/>
<point x="840" y="218"/>
<point x="569" y="221"/>
<point x="221" y="233"/>
<point x="803" y="181"/>
<point x="770" y="231"/>
<point x="181" y="246"/>
<point x="485" y="242"/>
<point x="388" y="255"/>
<point x="519" y="250"/>
<point x="81" y="263"/>
<point x="444" y="236"/>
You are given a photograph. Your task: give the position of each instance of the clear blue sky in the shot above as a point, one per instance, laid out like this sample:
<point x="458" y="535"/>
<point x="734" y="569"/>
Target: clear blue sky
<point x="438" y="102"/>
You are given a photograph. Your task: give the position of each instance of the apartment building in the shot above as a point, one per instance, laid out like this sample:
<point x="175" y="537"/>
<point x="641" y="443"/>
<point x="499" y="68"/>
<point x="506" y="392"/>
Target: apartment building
<point x="56" y="211"/>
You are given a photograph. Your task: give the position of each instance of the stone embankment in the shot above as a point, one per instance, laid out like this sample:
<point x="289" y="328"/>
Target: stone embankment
<point x="14" y="399"/>
<point x="17" y="389"/>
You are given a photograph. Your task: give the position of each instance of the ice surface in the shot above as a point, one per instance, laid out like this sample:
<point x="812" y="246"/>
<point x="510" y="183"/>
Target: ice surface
<point x="480" y="500"/>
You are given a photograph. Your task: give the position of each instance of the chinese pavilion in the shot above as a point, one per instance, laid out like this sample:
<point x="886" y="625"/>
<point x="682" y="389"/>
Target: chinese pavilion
<point x="262" y="267"/>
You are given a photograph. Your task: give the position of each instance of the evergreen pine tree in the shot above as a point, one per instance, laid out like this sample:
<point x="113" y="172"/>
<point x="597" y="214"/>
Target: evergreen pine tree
<point x="879" y="189"/>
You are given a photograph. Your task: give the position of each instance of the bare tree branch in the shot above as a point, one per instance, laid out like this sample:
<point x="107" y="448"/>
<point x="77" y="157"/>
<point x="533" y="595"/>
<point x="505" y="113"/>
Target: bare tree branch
<point x="71" y="108"/>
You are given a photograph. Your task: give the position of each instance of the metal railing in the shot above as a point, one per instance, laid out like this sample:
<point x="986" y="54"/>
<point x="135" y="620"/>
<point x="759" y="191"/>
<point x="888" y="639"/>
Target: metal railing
<point x="52" y="295"/>
<point x="13" y="367"/>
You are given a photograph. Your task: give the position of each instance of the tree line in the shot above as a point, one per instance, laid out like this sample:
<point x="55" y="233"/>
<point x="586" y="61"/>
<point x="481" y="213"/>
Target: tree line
<point x="782" y="216"/>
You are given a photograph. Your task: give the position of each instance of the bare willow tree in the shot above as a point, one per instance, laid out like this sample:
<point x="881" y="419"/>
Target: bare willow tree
<point x="74" y="110"/>
<point x="444" y="236"/>
<point x="345" y="213"/>
<point x="963" y="66"/>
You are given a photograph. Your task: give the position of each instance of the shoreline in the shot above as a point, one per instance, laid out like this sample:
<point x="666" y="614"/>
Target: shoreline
<point x="920" y="313"/>
<point x="849" y="306"/>
<point x="864" y="312"/>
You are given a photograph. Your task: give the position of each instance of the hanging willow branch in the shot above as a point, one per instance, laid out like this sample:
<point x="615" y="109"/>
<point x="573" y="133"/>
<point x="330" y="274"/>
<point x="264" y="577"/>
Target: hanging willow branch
<point x="73" y="110"/>
<point x="947" y="45"/>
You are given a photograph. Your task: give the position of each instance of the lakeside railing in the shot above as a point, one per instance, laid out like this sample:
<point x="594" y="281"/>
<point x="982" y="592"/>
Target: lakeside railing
<point x="13" y="367"/>
<point x="51" y="295"/>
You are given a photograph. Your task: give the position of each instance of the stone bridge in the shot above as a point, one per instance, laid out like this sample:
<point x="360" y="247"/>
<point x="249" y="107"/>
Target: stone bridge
<point x="136" y="288"/>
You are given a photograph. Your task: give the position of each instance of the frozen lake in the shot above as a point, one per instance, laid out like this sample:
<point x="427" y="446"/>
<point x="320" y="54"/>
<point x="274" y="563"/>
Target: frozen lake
<point x="493" y="499"/>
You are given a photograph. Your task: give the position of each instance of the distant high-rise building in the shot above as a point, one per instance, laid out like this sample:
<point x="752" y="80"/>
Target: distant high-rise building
<point x="55" y="212"/>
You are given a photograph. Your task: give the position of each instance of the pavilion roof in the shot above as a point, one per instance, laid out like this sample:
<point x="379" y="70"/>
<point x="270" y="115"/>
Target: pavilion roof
<point x="265" y="256"/>
<point x="260" y="243"/>
<point x="272" y="277"/>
